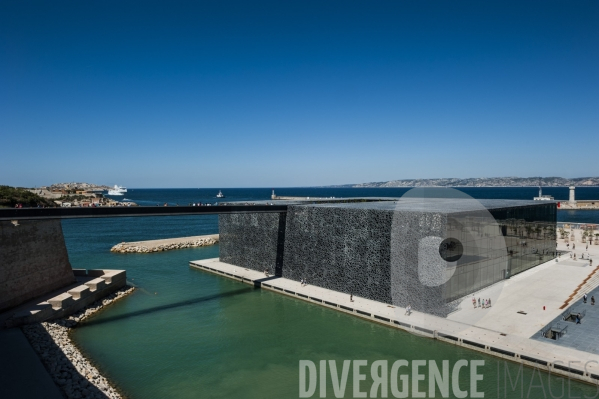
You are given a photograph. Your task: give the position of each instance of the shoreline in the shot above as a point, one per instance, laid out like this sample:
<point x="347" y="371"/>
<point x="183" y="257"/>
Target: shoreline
<point x="72" y="372"/>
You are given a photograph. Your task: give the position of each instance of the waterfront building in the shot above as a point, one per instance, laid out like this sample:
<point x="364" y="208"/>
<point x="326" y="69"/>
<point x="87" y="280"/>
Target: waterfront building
<point x="427" y="253"/>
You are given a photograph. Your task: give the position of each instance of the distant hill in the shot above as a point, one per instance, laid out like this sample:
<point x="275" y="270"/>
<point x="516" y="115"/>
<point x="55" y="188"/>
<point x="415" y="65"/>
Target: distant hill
<point x="484" y="182"/>
<point x="10" y="196"/>
<point x="78" y="186"/>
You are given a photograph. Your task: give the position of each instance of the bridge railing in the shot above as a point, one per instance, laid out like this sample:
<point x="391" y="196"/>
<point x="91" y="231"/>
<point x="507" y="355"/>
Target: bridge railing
<point x="129" y="211"/>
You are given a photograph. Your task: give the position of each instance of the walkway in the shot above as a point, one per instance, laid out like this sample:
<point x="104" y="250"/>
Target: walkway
<point x="22" y="374"/>
<point x="583" y="336"/>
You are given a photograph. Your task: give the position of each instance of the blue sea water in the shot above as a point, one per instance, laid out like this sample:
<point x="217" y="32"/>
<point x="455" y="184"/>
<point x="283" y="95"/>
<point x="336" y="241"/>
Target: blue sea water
<point x="185" y="333"/>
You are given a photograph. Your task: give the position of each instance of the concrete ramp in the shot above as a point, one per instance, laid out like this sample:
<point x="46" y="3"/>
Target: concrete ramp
<point x="96" y="284"/>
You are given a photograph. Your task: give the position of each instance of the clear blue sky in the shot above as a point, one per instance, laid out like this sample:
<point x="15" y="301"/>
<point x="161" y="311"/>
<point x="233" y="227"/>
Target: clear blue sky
<point x="296" y="93"/>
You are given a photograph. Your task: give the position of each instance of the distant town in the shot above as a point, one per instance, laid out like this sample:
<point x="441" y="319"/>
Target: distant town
<point x="57" y="195"/>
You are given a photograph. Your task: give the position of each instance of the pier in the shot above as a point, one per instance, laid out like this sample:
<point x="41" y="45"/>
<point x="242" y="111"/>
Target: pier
<point x="165" y="244"/>
<point x="573" y="204"/>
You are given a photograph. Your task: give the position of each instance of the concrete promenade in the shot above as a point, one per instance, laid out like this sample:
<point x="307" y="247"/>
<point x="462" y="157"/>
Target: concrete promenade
<point x="22" y="374"/>
<point x="501" y="331"/>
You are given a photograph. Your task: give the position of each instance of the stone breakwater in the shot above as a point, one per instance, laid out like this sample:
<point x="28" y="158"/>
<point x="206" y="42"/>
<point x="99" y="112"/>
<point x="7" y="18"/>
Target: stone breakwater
<point x="165" y="244"/>
<point x="70" y="370"/>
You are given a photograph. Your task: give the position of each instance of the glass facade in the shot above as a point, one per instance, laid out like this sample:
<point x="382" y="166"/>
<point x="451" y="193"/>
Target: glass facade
<point x="515" y="239"/>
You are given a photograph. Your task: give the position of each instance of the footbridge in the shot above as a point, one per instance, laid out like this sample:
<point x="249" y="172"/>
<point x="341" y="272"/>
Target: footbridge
<point x="16" y="214"/>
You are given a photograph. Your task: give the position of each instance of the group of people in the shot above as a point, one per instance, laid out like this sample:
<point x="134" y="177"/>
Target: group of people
<point x="584" y="299"/>
<point x="485" y="303"/>
<point x="303" y="282"/>
<point x="582" y="257"/>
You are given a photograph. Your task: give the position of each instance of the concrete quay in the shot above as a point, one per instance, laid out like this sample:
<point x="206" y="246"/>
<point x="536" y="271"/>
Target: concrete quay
<point x="505" y="330"/>
<point x="166" y="244"/>
<point x="71" y="371"/>
<point x="579" y="205"/>
<point x="92" y="285"/>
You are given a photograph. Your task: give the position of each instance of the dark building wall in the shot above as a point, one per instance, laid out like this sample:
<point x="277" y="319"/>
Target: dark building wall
<point x="346" y="250"/>
<point x="391" y="256"/>
<point x="33" y="261"/>
<point x="530" y="235"/>
<point x="249" y="240"/>
<point x="416" y="279"/>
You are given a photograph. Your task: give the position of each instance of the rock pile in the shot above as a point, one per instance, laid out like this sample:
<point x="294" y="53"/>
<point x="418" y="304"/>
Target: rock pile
<point x="71" y="371"/>
<point x="128" y="248"/>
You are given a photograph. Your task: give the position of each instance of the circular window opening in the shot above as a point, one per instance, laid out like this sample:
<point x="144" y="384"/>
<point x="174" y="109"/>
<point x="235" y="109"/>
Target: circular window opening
<point x="451" y="249"/>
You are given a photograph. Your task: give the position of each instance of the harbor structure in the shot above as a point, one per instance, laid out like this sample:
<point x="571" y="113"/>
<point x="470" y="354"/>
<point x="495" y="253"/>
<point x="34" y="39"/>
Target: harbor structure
<point x="542" y="197"/>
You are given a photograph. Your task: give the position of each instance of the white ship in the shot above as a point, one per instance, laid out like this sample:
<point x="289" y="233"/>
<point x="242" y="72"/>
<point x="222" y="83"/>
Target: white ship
<point x="116" y="190"/>
<point x="220" y="194"/>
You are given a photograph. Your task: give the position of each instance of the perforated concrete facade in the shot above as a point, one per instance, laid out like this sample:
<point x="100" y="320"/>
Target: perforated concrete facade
<point x="389" y="251"/>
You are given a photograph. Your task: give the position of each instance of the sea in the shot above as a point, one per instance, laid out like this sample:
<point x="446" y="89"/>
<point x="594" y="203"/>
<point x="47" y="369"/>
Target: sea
<point x="184" y="333"/>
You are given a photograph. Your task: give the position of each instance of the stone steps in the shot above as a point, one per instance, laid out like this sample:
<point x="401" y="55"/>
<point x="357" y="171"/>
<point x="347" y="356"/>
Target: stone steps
<point x="587" y="287"/>
<point x="590" y="283"/>
<point x="66" y="303"/>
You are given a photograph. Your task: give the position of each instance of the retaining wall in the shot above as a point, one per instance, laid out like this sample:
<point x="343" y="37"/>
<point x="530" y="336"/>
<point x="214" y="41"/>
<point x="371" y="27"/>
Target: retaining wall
<point x="33" y="261"/>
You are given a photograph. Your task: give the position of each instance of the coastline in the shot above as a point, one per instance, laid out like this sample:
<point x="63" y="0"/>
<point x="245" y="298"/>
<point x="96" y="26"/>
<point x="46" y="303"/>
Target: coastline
<point x="70" y="370"/>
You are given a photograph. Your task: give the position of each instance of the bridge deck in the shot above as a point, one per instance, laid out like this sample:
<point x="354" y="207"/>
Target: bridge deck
<point x="128" y="211"/>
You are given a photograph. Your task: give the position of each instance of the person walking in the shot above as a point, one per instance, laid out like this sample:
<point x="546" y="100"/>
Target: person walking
<point x="474" y="302"/>
<point x="593" y="300"/>
<point x="479" y="302"/>
<point x="584" y="298"/>
<point x="489" y="302"/>
<point x="351" y="297"/>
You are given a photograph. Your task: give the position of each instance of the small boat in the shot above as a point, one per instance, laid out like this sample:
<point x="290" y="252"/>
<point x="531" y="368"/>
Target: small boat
<point x="116" y="190"/>
<point x="220" y="194"/>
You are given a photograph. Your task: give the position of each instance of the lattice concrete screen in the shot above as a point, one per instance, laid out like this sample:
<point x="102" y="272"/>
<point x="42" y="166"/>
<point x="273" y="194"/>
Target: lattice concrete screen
<point x="427" y="254"/>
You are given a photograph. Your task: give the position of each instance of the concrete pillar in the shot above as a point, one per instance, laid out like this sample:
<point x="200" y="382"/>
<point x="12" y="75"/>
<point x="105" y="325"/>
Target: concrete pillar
<point x="572" y="200"/>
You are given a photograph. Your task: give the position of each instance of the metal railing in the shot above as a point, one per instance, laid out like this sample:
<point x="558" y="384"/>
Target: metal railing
<point x="555" y="332"/>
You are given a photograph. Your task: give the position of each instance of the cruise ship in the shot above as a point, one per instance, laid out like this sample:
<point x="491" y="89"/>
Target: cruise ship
<point x="117" y="190"/>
